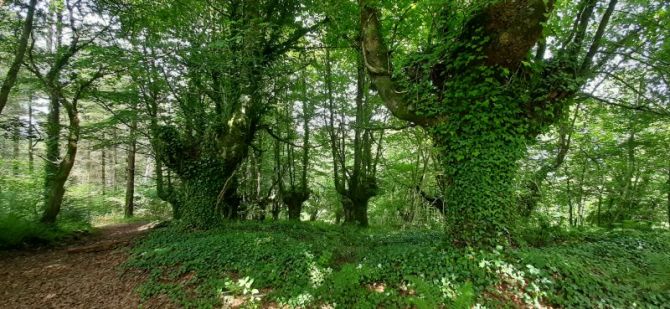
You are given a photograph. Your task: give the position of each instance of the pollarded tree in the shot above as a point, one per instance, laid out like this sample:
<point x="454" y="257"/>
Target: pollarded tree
<point x="294" y="187"/>
<point x="354" y="168"/>
<point x="474" y="86"/>
<point x="216" y="58"/>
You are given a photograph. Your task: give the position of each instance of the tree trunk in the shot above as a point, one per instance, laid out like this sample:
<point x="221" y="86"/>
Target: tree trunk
<point x="16" y="139"/>
<point x="130" y="175"/>
<point x="114" y="162"/>
<point x="276" y="209"/>
<point x="52" y="182"/>
<point x="31" y="146"/>
<point x="569" y="194"/>
<point x="13" y="71"/>
<point x="294" y="201"/>
<point x="479" y="198"/>
<point x="56" y="184"/>
<point x="103" y="168"/>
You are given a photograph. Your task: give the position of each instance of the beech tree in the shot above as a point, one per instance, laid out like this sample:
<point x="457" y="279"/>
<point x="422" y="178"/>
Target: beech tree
<point x="476" y="88"/>
<point x="218" y="74"/>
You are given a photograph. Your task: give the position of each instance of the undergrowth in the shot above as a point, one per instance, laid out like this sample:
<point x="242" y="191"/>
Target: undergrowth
<point x="18" y="232"/>
<point x="315" y="265"/>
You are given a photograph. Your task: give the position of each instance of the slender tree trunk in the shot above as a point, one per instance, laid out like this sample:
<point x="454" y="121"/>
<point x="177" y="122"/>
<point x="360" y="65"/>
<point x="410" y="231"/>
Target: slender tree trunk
<point x="16" y="139"/>
<point x="114" y="162"/>
<point x="31" y="146"/>
<point x="569" y="194"/>
<point x="90" y="172"/>
<point x="103" y="168"/>
<point x="668" y="184"/>
<point x="580" y="211"/>
<point x="13" y="72"/>
<point x="130" y="175"/>
<point x="530" y="199"/>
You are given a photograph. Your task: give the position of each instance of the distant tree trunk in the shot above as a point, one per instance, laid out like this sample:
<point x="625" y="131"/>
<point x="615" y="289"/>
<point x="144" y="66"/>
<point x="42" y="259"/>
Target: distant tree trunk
<point x="298" y="194"/>
<point x="569" y="195"/>
<point x="13" y="71"/>
<point x="16" y="139"/>
<point x="89" y="164"/>
<point x="362" y="184"/>
<point x="580" y="207"/>
<point x="339" y="186"/>
<point x="114" y="161"/>
<point x="31" y="146"/>
<point x="276" y="209"/>
<point x="668" y="188"/>
<point x="103" y="168"/>
<point x="130" y="175"/>
<point x="530" y="199"/>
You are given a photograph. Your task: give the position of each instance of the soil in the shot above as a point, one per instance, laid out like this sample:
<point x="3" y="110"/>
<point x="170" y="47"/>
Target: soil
<point x="85" y="274"/>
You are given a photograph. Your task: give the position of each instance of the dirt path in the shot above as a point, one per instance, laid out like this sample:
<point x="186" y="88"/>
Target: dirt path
<point x="83" y="275"/>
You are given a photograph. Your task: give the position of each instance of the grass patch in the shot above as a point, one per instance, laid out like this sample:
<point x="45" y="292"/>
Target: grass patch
<point x="311" y="265"/>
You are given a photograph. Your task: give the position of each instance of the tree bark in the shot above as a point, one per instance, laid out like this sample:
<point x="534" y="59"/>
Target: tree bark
<point x="13" y="72"/>
<point x="51" y="166"/>
<point x="56" y="185"/>
<point x="114" y="162"/>
<point x="16" y="139"/>
<point x="103" y="167"/>
<point x="31" y="146"/>
<point x="130" y="171"/>
<point x="569" y="196"/>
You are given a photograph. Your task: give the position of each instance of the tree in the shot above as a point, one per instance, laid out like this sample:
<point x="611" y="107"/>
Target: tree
<point x="217" y="73"/>
<point x="65" y="91"/>
<point x="10" y="78"/>
<point x="354" y="172"/>
<point x="475" y="89"/>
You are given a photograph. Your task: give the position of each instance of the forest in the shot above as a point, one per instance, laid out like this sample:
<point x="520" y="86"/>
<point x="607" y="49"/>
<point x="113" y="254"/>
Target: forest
<point x="334" y="154"/>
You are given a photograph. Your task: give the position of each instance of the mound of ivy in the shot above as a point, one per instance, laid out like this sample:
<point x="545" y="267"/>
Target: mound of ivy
<point x="314" y="265"/>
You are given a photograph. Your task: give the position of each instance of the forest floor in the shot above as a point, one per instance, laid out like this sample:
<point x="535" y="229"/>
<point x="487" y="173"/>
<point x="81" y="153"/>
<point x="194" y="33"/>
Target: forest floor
<point x="83" y="274"/>
<point x="305" y="265"/>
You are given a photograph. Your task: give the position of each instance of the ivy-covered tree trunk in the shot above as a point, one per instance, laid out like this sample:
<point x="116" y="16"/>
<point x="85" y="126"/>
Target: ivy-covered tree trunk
<point x="60" y="171"/>
<point x="479" y="197"/>
<point x="207" y="191"/>
<point x="51" y="166"/>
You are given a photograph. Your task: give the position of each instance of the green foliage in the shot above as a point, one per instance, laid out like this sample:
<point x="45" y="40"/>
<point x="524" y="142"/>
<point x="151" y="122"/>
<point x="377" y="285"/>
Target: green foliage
<point x="17" y="232"/>
<point x="309" y="265"/>
<point x="614" y="270"/>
